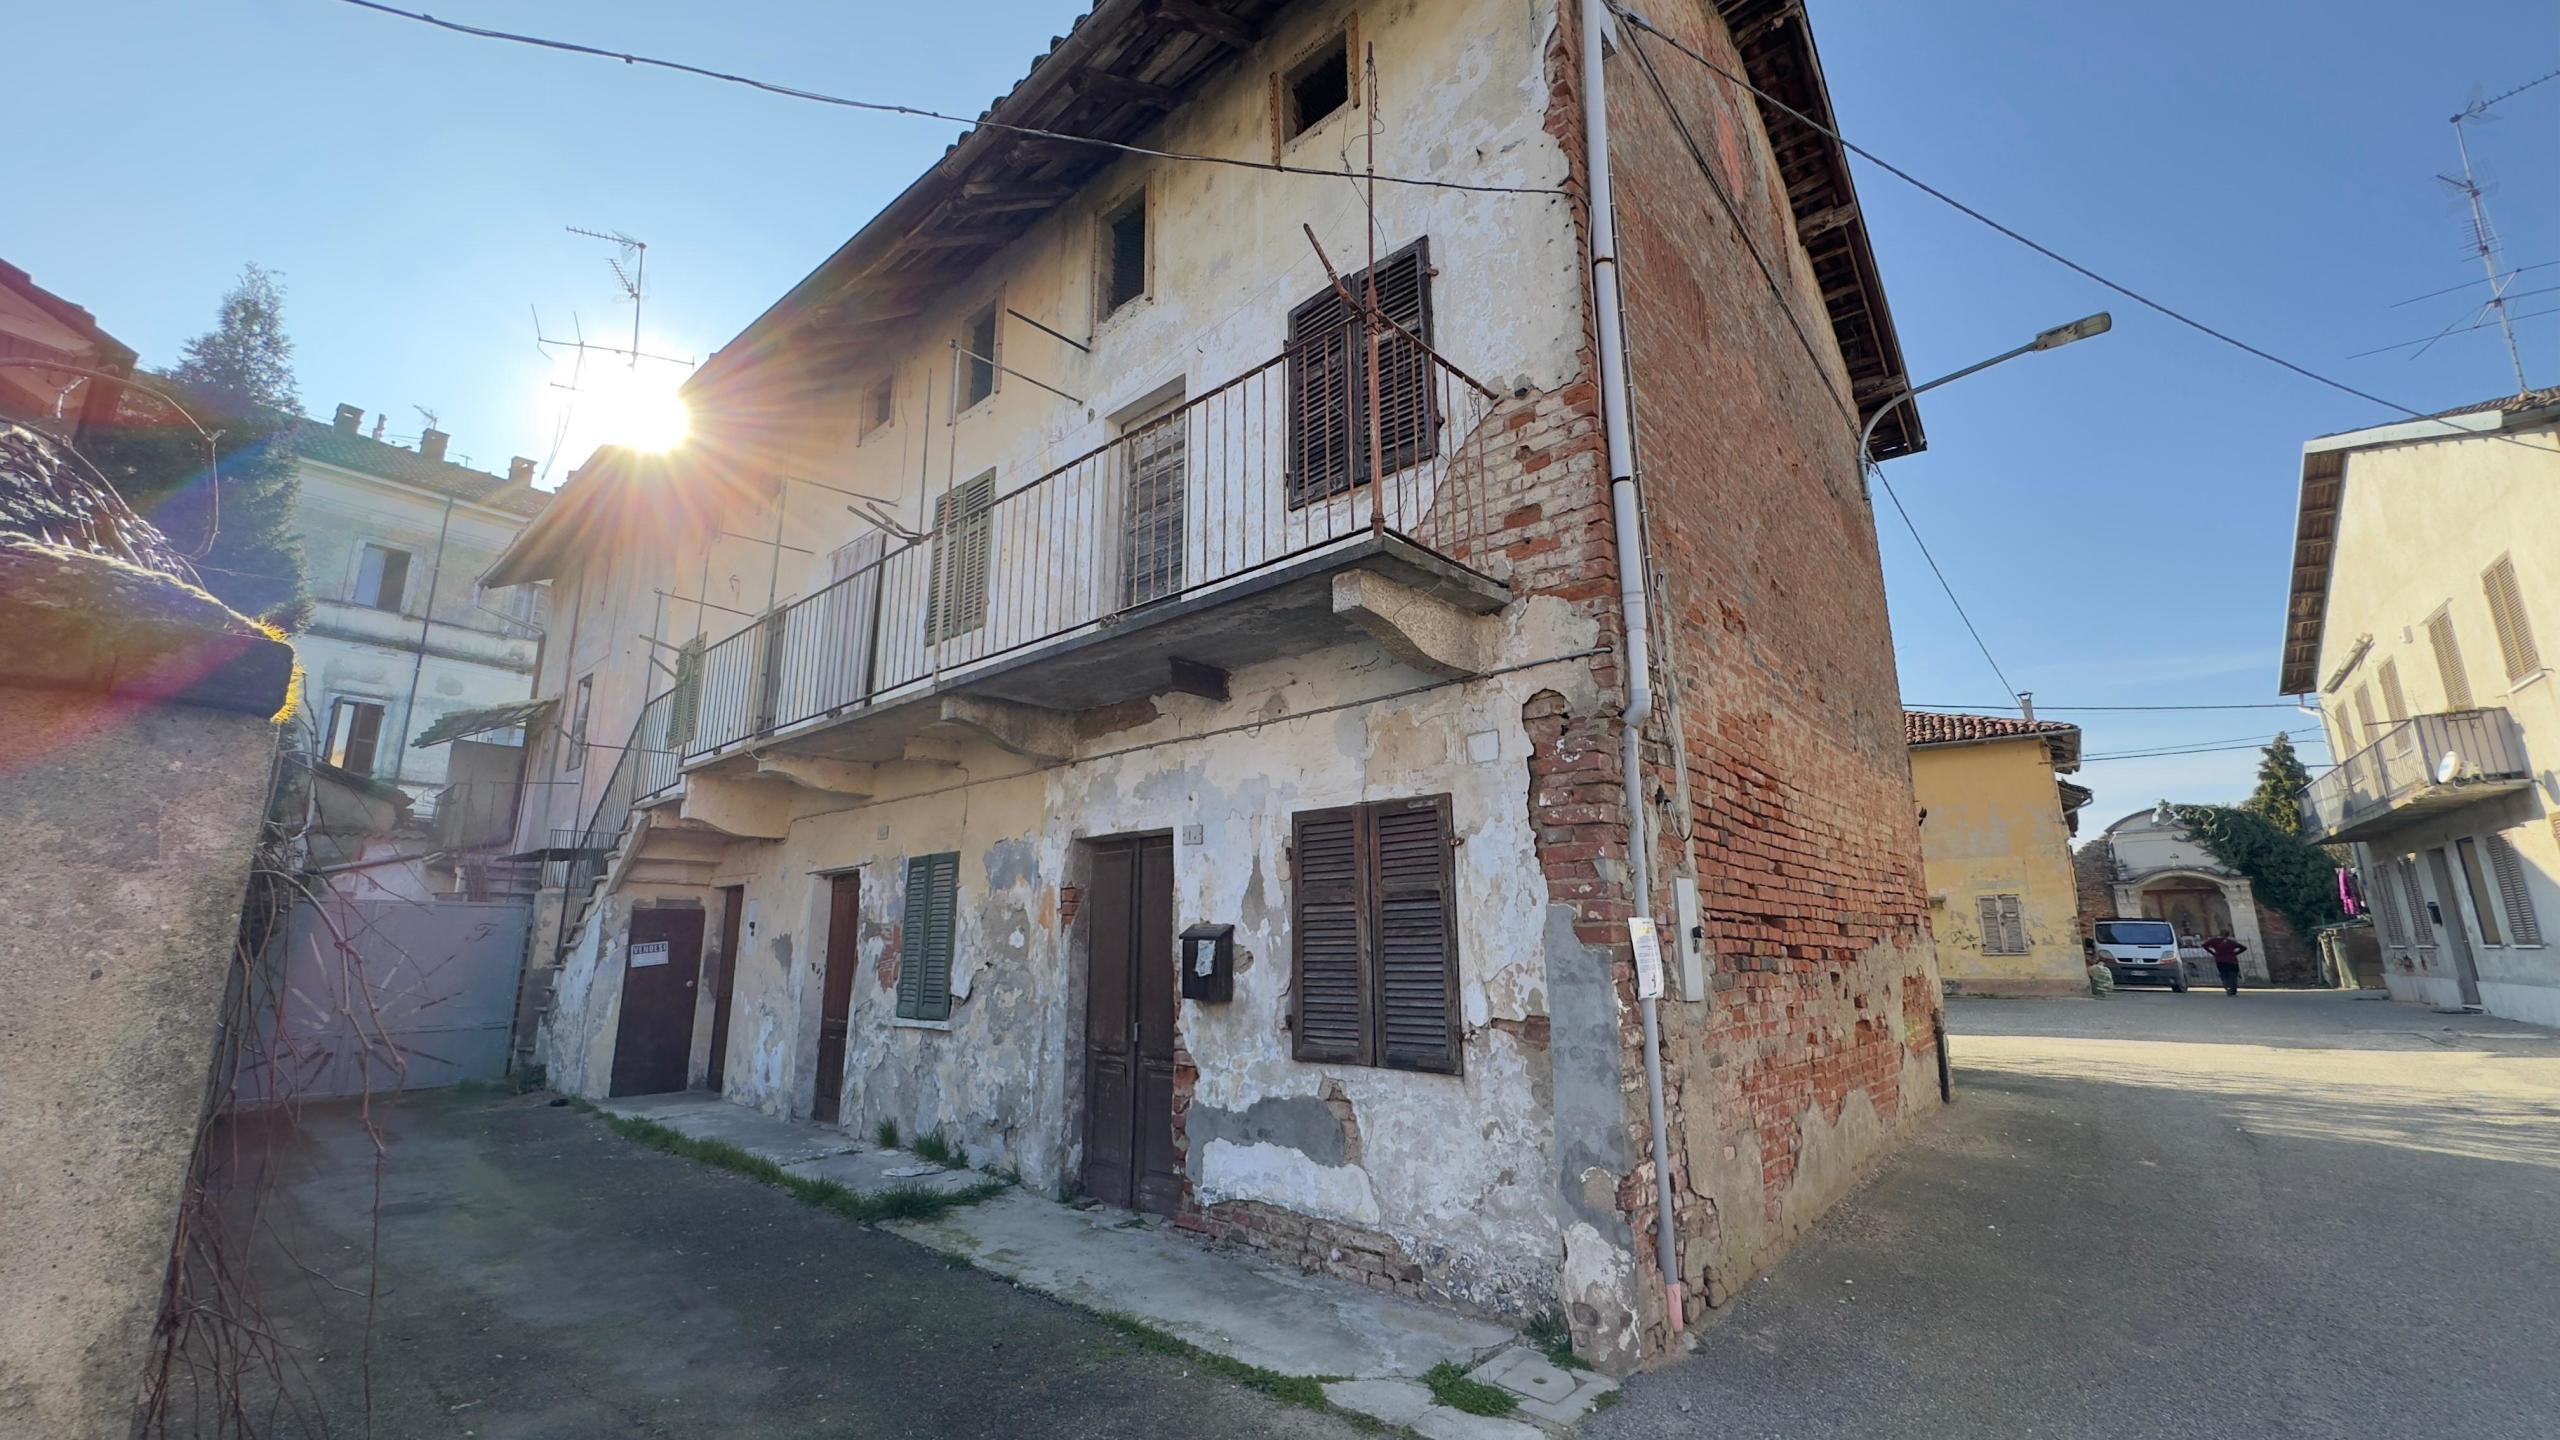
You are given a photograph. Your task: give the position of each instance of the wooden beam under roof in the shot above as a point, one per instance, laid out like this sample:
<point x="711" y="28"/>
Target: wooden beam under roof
<point x="1201" y="20"/>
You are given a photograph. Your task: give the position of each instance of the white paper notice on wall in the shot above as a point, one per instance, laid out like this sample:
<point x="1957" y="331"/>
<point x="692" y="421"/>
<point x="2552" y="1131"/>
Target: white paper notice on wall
<point x="1648" y="943"/>
<point x="655" y="953"/>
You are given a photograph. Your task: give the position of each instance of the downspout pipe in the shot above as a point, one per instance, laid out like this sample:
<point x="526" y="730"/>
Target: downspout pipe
<point x="1627" y="532"/>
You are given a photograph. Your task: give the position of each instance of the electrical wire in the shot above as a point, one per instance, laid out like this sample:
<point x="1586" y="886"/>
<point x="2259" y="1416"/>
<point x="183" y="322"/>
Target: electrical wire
<point x="2171" y="751"/>
<point x="1933" y="192"/>
<point x="1969" y="629"/>
<point x="2171" y="747"/>
<point x="2041" y="707"/>
<point x="886" y="108"/>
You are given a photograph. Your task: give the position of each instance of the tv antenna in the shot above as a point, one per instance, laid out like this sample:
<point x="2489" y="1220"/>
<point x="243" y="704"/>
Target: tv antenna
<point x="636" y="252"/>
<point x="2484" y="238"/>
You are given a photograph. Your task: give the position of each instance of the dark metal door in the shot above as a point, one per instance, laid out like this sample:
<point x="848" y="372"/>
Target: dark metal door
<point x="835" y="1009"/>
<point x="733" y="902"/>
<point x="1129" y="1039"/>
<point x="654" y="1041"/>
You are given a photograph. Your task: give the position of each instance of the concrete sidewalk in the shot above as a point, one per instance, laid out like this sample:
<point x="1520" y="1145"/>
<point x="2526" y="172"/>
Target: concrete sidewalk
<point x="1372" y="1347"/>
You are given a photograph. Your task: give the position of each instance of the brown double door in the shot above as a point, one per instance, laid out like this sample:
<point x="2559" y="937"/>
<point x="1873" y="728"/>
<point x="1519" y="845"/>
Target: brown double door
<point x="835" y="1009"/>
<point x="1128" y="1064"/>
<point x="653" y="1042"/>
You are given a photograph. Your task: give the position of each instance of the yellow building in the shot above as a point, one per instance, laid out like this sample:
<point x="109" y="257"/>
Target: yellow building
<point x="1995" y="828"/>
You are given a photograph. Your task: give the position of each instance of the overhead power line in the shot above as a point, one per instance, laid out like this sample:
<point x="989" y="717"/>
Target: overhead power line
<point x="2171" y="753"/>
<point x="1933" y="192"/>
<point x="882" y="107"/>
<point x="2041" y="707"/>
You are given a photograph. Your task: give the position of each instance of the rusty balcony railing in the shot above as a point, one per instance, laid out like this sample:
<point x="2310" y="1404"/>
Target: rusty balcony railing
<point x="2404" y="772"/>
<point x="1299" y="454"/>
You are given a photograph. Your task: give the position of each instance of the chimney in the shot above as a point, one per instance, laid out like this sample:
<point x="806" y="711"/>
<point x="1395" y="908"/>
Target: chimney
<point x="349" y="417"/>
<point x="431" y="443"/>
<point x="2027" y="703"/>
<point x="377" y="425"/>
<point x="520" y="471"/>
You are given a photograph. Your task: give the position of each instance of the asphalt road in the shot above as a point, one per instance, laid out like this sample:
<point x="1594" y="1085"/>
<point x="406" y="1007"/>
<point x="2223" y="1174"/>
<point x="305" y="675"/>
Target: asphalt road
<point x="541" y="1279"/>
<point x="2285" y="1214"/>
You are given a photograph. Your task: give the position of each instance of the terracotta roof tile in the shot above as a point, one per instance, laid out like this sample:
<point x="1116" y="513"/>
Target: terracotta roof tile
<point x="1929" y="727"/>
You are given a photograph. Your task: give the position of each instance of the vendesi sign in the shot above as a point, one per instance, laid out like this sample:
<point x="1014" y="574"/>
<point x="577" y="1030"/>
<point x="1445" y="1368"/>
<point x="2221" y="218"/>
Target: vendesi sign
<point x="653" y="952"/>
<point x="1648" y="943"/>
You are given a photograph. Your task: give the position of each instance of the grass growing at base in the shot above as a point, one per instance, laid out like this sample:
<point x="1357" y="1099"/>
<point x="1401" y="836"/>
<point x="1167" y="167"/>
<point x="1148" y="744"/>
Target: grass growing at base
<point x="887" y="1134"/>
<point x="1451" y="1387"/>
<point x="1552" y="1335"/>
<point x="903" y="1202"/>
<point x="1307" y="1390"/>
<point x="934" y="1147"/>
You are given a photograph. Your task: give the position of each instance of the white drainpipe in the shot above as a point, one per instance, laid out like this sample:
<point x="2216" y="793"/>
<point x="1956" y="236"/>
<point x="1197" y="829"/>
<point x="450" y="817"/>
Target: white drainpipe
<point x="1627" y="528"/>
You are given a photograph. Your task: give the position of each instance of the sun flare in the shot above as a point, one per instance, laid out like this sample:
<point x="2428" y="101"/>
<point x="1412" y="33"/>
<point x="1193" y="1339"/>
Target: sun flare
<point x="637" y="410"/>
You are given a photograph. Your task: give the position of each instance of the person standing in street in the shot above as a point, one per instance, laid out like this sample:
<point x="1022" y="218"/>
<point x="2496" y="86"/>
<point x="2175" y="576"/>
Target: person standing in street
<point x="2226" y="953"/>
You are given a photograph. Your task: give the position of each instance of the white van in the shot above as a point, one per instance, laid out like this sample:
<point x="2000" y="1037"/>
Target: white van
<point x="2140" y="952"/>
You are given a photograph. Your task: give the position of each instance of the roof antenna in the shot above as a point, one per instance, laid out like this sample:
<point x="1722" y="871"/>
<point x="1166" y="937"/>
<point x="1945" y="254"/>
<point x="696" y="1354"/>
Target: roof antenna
<point x="2484" y="240"/>
<point x="637" y="252"/>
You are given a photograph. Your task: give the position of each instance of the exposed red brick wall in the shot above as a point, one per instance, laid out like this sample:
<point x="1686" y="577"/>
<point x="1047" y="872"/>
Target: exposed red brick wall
<point x="1818" y="1043"/>
<point x="2093" y="869"/>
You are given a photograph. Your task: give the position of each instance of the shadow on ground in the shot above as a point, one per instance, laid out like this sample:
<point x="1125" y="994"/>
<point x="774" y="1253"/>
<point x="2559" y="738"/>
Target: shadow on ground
<point x="540" y="1279"/>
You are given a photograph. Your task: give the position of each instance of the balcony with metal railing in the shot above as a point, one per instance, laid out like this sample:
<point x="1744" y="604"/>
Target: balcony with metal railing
<point x="2420" y="766"/>
<point x="1190" y="546"/>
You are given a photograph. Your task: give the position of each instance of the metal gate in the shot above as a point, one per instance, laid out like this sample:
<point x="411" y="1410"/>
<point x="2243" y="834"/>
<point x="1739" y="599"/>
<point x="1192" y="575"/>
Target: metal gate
<point x="370" y="996"/>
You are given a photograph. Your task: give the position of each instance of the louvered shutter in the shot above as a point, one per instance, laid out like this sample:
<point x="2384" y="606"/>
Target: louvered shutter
<point x="1320" y="385"/>
<point x="2457" y="683"/>
<point x="1987" y="916"/>
<point x="963" y="524"/>
<point x="2422" y="933"/>
<point x="924" y="950"/>
<point x="1414" y="936"/>
<point x="2523" y="926"/>
<point x="2386" y="905"/>
<point x="2395" y="701"/>
<point x="684" y="711"/>
<point x="2364" y="713"/>
<point x="1328" y="937"/>
<point x="2013" y="926"/>
<point x="2506" y="611"/>
<point x="1408" y="419"/>
<point x="1328" y="386"/>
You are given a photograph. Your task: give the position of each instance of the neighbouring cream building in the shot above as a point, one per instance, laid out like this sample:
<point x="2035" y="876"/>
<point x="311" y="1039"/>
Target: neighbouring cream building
<point x="1996" y="819"/>
<point x="402" y="635"/>
<point x="2424" y="586"/>
<point x="1098" y="689"/>
<point x="2148" y="865"/>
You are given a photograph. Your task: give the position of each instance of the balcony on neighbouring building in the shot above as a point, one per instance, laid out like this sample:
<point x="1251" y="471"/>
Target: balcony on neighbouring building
<point x="2423" y="765"/>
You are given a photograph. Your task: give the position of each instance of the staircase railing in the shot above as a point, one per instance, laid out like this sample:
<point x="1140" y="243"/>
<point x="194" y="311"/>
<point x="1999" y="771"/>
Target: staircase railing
<point x="642" y="769"/>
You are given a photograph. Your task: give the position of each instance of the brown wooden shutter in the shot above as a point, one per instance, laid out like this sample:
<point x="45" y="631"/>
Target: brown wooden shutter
<point x="1328" y="384"/>
<point x="2013" y="926"/>
<point x="1415" y="936"/>
<point x="2506" y="611"/>
<point x="924" y="949"/>
<point x="1987" y="919"/>
<point x="2523" y="926"/>
<point x="2422" y="934"/>
<point x="2457" y="684"/>
<point x="1328" y="936"/>
<point x="2364" y="712"/>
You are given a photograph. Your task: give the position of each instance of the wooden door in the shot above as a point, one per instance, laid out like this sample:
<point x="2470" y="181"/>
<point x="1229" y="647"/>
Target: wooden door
<point x="1156" y="458"/>
<point x="654" y="1041"/>
<point x="835" y="1008"/>
<point x="1129" y="1158"/>
<point x="733" y="904"/>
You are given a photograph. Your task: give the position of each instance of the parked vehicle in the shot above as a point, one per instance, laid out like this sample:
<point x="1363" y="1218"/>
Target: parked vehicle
<point x="2141" y="952"/>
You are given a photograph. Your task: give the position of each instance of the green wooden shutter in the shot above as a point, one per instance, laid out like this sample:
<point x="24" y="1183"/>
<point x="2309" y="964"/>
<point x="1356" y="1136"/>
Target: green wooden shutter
<point x="924" y="947"/>
<point x="1328" y="937"/>
<point x="1414" y="935"/>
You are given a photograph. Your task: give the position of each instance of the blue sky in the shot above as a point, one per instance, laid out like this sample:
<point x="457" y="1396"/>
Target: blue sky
<point x="2117" y="516"/>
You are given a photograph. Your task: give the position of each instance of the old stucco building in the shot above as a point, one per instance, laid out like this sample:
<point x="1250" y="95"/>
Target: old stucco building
<point x="1995" y="824"/>
<point x="2422" y="594"/>
<point x="401" y="634"/>
<point x="2148" y="864"/>
<point x="1050" y="705"/>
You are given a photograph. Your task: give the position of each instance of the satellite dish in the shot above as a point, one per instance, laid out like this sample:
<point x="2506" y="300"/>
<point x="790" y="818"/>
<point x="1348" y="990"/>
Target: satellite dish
<point x="2448" y="768"/>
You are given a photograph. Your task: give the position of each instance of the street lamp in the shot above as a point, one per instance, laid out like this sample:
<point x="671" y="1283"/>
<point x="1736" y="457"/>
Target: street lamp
<point x="2053" y="339"/>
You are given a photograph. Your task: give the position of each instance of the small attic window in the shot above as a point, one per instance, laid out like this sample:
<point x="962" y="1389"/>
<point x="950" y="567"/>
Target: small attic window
<point x="880" y="406"/>
<point x="1318" y="87"/>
